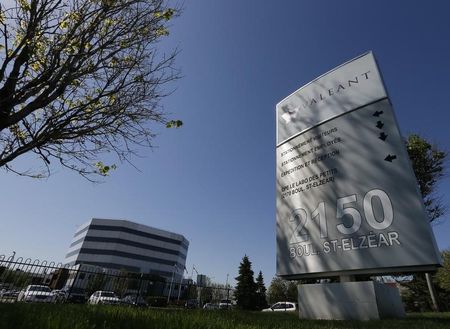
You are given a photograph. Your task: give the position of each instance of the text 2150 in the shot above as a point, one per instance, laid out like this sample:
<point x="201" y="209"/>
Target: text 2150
<point x="345" y="206"/>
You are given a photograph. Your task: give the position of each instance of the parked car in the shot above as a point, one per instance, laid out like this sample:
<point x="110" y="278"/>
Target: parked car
<point x="210" y="306"/>
<point x="191" y="303"/>
<point x="75" y="295"/>
<point x="134" y="300"/>
<point x="103" y="297"/>
<point x="8" y="295"/>
<point x="281" y="307"/>
<point x="36" y="293"/>
<point x="60" y="295"/>
<point x="225" y="304"/>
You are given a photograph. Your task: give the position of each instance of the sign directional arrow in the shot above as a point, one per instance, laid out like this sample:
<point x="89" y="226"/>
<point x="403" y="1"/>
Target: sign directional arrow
<point x="390" y="158"/>
<point x="377" y="113"/>
<point x="380" y="124"/>
<point x="382" y="136"/>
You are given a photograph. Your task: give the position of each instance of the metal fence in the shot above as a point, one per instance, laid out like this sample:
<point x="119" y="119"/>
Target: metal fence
<point x="27" y="280"/>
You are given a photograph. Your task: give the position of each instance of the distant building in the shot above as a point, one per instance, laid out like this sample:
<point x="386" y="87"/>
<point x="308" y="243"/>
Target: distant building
<point x="125" y="245"/>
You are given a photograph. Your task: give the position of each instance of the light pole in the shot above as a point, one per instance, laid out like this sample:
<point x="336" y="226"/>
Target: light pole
<point x="228" y="290"/>
<point x="171" y="282"/>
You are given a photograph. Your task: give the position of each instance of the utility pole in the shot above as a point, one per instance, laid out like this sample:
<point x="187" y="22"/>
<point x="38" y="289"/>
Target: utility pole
<point x="228" y="291"/>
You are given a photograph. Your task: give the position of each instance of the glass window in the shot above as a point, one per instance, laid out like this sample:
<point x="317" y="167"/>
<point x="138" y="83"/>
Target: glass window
<point x="108" y="294"/>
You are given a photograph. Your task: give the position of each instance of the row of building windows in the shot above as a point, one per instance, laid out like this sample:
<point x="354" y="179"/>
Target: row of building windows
<point x="128" y="243"/>
<point x="118" y="253"/>
<point x="132" y="231"/>
<point x="165" y="274"/>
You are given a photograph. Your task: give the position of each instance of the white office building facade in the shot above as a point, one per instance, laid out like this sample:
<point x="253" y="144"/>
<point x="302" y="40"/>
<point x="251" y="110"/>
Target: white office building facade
<point x="125" y="245"/>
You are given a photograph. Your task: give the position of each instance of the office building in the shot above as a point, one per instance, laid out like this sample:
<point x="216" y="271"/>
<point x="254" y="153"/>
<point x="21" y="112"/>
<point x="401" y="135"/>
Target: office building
<point x="125" y="245"/>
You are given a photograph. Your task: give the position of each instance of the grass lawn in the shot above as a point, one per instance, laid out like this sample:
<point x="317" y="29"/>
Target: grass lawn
<point x="59" y="316"/>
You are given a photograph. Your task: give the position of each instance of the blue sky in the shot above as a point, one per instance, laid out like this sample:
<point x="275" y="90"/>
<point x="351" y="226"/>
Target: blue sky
<point x="213" y="180"/>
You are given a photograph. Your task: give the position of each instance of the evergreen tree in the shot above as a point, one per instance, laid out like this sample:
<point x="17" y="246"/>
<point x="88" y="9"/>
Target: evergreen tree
<point x="261" y="300"/>
<point x="245" y="292"/>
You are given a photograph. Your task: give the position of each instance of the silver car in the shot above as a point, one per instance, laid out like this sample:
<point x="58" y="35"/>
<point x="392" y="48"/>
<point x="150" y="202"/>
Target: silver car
<point x="281" y="307"/>
<point x="36" y="293"/>
<point x="103" y="297"/>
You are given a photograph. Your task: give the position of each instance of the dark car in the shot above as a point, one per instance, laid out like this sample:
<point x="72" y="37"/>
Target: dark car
<point x="75" y="295"/>
<point x="134" y="300"/>
<point x="191" y="303"/>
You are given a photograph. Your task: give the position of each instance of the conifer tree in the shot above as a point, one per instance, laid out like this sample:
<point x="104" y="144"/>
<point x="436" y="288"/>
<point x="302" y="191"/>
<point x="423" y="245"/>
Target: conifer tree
<point x="245" y="292"/>
<point x="261" y="300"/>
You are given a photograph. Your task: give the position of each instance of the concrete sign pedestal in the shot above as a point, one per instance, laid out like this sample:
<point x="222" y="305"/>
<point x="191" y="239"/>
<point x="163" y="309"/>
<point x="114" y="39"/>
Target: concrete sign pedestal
<point x="366" y="300"/>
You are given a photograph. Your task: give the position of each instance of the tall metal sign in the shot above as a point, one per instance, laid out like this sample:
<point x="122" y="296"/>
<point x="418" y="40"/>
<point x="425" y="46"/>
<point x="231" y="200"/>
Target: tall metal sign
<point x="347" y="198"/>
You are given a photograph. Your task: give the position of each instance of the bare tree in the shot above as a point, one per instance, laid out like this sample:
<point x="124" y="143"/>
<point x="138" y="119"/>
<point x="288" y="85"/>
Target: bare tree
<point x="81" y="78"/>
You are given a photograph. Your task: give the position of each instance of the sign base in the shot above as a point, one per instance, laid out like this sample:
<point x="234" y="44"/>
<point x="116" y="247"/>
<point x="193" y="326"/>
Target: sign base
<point x="367" y="300"/>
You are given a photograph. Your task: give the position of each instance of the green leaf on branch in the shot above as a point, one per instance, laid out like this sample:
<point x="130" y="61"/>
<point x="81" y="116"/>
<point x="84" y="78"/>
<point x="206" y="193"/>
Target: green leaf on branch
<point x="174" y="124"/>
<point x="167" y="14"/>
<point x="103" y="169"/>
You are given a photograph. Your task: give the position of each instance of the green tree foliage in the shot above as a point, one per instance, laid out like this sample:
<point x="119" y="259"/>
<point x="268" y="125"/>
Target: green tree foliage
<point x="206" y="295"/>
<point x="261" y="298"/>
<point x="277" y="291"/>
<point x="80" y="79"/>
<point x="245" y="291"/>
<point x="190" y="292"/>
<point x="416" y="297"/>
<point x="443" y="274"/>
<point x="282" y="290"/>
<point x="15" y="278"/>
<point x="292" y="291"/>
<point x="428" y="164"/>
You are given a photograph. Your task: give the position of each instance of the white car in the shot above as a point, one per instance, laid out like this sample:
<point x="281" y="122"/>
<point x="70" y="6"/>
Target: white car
<point x="36" y="293"/>
<point x="225" y="304"/>
<point x="281" y="307"/>
<point x="103" y="297"/>
<point x="210" y="306"/>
